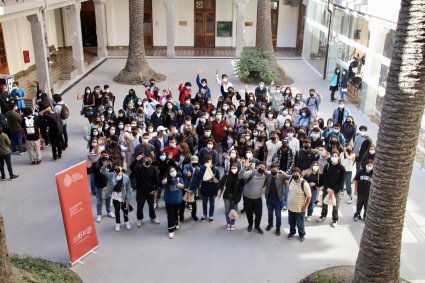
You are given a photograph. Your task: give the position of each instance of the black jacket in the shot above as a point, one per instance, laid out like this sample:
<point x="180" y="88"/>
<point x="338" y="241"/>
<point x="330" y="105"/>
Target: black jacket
<point x="303" y="159"/>
<point x="147" y="178"/>
<point x="232" y="186"/>
<point x="333" y="177"/>
<point x="100" y="180"/>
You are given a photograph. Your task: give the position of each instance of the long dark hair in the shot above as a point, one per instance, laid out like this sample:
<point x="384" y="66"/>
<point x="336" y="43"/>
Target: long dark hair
<point x="169" y="178"/>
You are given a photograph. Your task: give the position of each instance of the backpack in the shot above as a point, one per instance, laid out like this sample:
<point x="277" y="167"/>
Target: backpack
<point x="315" y="102"/>
<point x="29" y="125"/>
<point x="64" y="112"/>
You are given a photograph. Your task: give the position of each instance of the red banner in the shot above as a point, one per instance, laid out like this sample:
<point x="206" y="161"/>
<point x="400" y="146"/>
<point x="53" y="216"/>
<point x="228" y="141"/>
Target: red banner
<point x="74" y="197"/>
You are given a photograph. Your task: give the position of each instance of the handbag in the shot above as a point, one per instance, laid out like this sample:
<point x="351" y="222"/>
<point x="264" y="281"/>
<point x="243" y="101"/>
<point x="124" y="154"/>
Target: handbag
<point x="233" y="214"/>
<point x="189" y="196"/>
<point x="330" y="199"/>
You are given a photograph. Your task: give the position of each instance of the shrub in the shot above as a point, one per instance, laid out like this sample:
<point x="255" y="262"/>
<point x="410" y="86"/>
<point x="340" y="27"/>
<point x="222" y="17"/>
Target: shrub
<point x="253" y="67"/>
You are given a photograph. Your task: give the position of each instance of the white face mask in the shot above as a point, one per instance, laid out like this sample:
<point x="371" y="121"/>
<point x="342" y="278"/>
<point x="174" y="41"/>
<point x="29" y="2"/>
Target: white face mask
<point x="372" y="151"/>
<point x="119" y="177"/>
<point x="249" y="155"/>
<point x="210" y="146"/>
<point x="284" y="113"/>
<point x="233" y="155"/>
<point x="369" y="167"/>
<point x="218" y="117"/>
<point x="334" y="159"/>
<point x="112" y="133"/>
<point x="270" y="116"/>
<point x="315" y="168"/>
<point x="234" y="170"/>
<point x="225" y="108"/>
<point x="207" y="134"/>
<point x="290" y="135"/>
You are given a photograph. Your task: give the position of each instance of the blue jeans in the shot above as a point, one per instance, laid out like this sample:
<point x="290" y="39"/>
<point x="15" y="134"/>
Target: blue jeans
<point x="274" y="206"/>
<point x="229" y="204"/>
<point x="99" y="201"/>
<point x="17" y="142"/>
<point x="311" y="204"/>
<point x="285" y="197"/>
<point x="92" y="185"/>
<point x="296" y="219"/>
<point x="342" y="93"/>
<point x="205" y="201"/>
<point x="348" y="176"/>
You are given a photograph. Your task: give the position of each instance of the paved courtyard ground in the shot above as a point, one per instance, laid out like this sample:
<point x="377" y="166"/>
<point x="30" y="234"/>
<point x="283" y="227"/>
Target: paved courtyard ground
<point x="200" y="251"/>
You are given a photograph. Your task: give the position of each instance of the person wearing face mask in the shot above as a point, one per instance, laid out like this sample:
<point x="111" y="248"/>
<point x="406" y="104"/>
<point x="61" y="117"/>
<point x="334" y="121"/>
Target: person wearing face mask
<point x="260" y="91"/>
<point x="203" y="85"/>
<point x="270" y="121"/>
<point x="369" y="155"/>
<point x="293" y="142"/>
<point x="224" y="83"/>
<point x="218" y="130"/>
<point x="341" y="113"/>
<point x="327" y="134"/>
<point x="254" y="181"/>
<point x="231" y="187"/>
<point x="299" y="198"/>
<point x="158" y="118"/>
<point x="305" y="119"/>
<point x="190" y="171"/>
<point x="285" y="126"/>
<point x="315" y="139"/>
<point x="202" y="124"/>
<point x="110" y="114"/>
<point x="119" y="189"/>
<point x="343" y="85"/>
<point x="315" y="180"/>
<point x="277" y="99"/>
<point x="362" y="142"/>
<point x="362" y="183"/>
<point x="275" y="193"/>
<point x="172" y="148"/>
<point x="333" y="181"/>
<point x="313" y="101"/>
<point x="173" y="188"/>
<point x="114" y="151"/>
<point x="231" y="157"/>
<point x="284" y="157"/>
<point x="209" y="150"/>
<point x="147" y="183"/>
<point x="305" y="157"/>
<point x="188" y="107"/>
<point x="349" y="130"/>
<point x="131" y="97"/>
<point x="334" y="83"/>
<point x="145" y="148"/>
<point x="108" y="96"/>
<point x="100" y="182"/>
<point x="347" y="160"/>
<point x="185" y="92"/>
<point x="88" y="103"/>
<point x="272" y="145"/>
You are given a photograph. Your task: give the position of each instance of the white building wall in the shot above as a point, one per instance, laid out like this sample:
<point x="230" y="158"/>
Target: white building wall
<point x="52" y="38"/>
<point x="287" y="26"/>
<point x="225" y="12"/>
<point x="250" y="32"/>
<point x="17" y="37"/>
<point x="59" y="28"/>
<point x="159" y="23"/>
<point x="117" y="23"/>
<point x="185" y="35"/>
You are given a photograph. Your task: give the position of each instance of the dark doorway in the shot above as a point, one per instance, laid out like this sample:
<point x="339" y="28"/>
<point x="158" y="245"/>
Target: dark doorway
<point x="300" y="29"/>
<point x="88" y="24"/>
<point x="147" y="24"/>
<point x="204" y="23"/>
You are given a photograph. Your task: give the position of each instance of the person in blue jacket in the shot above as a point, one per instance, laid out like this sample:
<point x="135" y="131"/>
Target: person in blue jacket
<point x="203" y="84"/>
<point x="189" y="170"/>
<point x="18" y="94"/>
<point x="334" y="83"/>
<point x="173" y="194"/>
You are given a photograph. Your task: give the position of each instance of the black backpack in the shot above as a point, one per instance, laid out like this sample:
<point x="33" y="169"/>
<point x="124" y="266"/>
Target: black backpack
<point x="64" y="114"/>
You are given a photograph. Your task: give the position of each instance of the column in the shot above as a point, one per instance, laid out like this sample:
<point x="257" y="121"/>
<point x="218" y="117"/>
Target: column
<point x="169" y="5"/>
<point x="76" y="38"/>
<point x="38" y="33"/>
<point x="99" y="8"/>
<point x="240" y="6"/>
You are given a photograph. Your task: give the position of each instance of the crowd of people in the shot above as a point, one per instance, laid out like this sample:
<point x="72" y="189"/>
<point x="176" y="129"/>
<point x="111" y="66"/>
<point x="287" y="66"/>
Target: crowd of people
<point x="267" y="142"/>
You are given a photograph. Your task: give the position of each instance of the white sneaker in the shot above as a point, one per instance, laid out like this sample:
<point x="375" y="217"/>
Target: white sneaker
<point x="334" y="224"/>
<point x="127" y="225"/>
<point x="177" y="227"/>
<point x="117" y="227"/>
<point x="155" y="206"/>
<point x="111" y="214"/>
<point x="171" y="235"/>
<point x="321" y="219"/>
<point x="139" y="223"/>
<point x="98" y="218"/>
<point x="155" y="221"/>
<point x="350" y="200"/>
<point x="308" y="219"/>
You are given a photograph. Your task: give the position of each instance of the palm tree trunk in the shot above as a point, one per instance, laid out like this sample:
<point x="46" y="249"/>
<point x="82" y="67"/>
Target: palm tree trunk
<point x="5" y="267"/>
<point x="136" y="60"/>
<point x="379" y="255"/>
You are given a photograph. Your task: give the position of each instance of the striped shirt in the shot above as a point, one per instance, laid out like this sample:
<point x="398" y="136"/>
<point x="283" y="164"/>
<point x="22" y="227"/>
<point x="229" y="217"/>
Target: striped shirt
<point x="297" y="195"/>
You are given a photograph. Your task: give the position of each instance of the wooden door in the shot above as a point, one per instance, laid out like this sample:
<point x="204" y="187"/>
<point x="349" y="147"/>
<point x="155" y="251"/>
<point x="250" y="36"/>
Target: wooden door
<point x="300" y="29"/>
<point x="4" y="67"/>
<point x="147" y="24"/>
<point x="205" y="23"/>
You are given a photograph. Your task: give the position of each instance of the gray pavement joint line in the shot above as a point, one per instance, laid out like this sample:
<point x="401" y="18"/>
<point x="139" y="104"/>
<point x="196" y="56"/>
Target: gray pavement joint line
<point x="414" y="227"/>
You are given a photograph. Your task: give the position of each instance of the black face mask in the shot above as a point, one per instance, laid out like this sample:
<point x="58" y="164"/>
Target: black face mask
<point x="274" y="173"/>
<point x="273" y="138"/>
<point x="194" y="164"/>
<point x="306" y="147"/>
<point x="260" y="170"/>
<point x="296" y="177"/>
<point x="147" y="163"/>
<point x="103" y="159"/>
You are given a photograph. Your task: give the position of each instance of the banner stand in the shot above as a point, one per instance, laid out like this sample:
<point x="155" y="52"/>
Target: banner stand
<point x="84" y="256"/>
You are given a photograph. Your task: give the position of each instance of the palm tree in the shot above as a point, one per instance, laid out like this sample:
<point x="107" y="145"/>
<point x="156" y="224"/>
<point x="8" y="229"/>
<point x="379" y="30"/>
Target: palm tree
<point x="5" y="267"/>
<point x="379" y="255"/>
<point x="136" y="60"/>
<point x="265" y="41"/>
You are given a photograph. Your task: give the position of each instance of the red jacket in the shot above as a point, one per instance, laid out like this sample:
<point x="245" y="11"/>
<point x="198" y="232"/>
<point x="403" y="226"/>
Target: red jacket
<point x="217" y="130"/>
<point x="173" y="151"/>
<point x="184" y="93"/>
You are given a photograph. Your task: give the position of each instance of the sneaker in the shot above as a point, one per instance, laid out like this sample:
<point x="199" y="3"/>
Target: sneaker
<point x="228" y="227"/>
<point x="98" y="218"/>
<point x="139" y="223"/>
<point x="290" y="236"/>
<point x="14" y="177"/>
<point x="357" y="218"/>
<point x="182" y="218"/>
<point x="302" y="238"/>
<point x="249" y="228"/>
<point x="38" y="162"/>
<point x="177" y="227"/>
<point x="316" y="202"/>
<point x="155" y="206"/>
<point x="285" y="208"/>
<point x="155" y="221"/>
<point x="117" y="227"/>
<point x="308" y="218"/>
<point x="269" y="227"/>
<point x="33" y="162"/>
<point x="321" y="219"/>
<point x="350" y="200"/>
<point x="127" y="225"/>
<point x="171" y="235"/>
<point x="19" y="153"/>
<point x="334" y="224"/>
<point x="259" y="231"/>
<point x="59" y="156"/>
<point x="211" y="219"/>
<point x="232" y="227"/>
<point x="195" y="218"/>
<point x="278" y="232"/>
<point x="111" y="214"/>
<point x="203" y="218"/>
